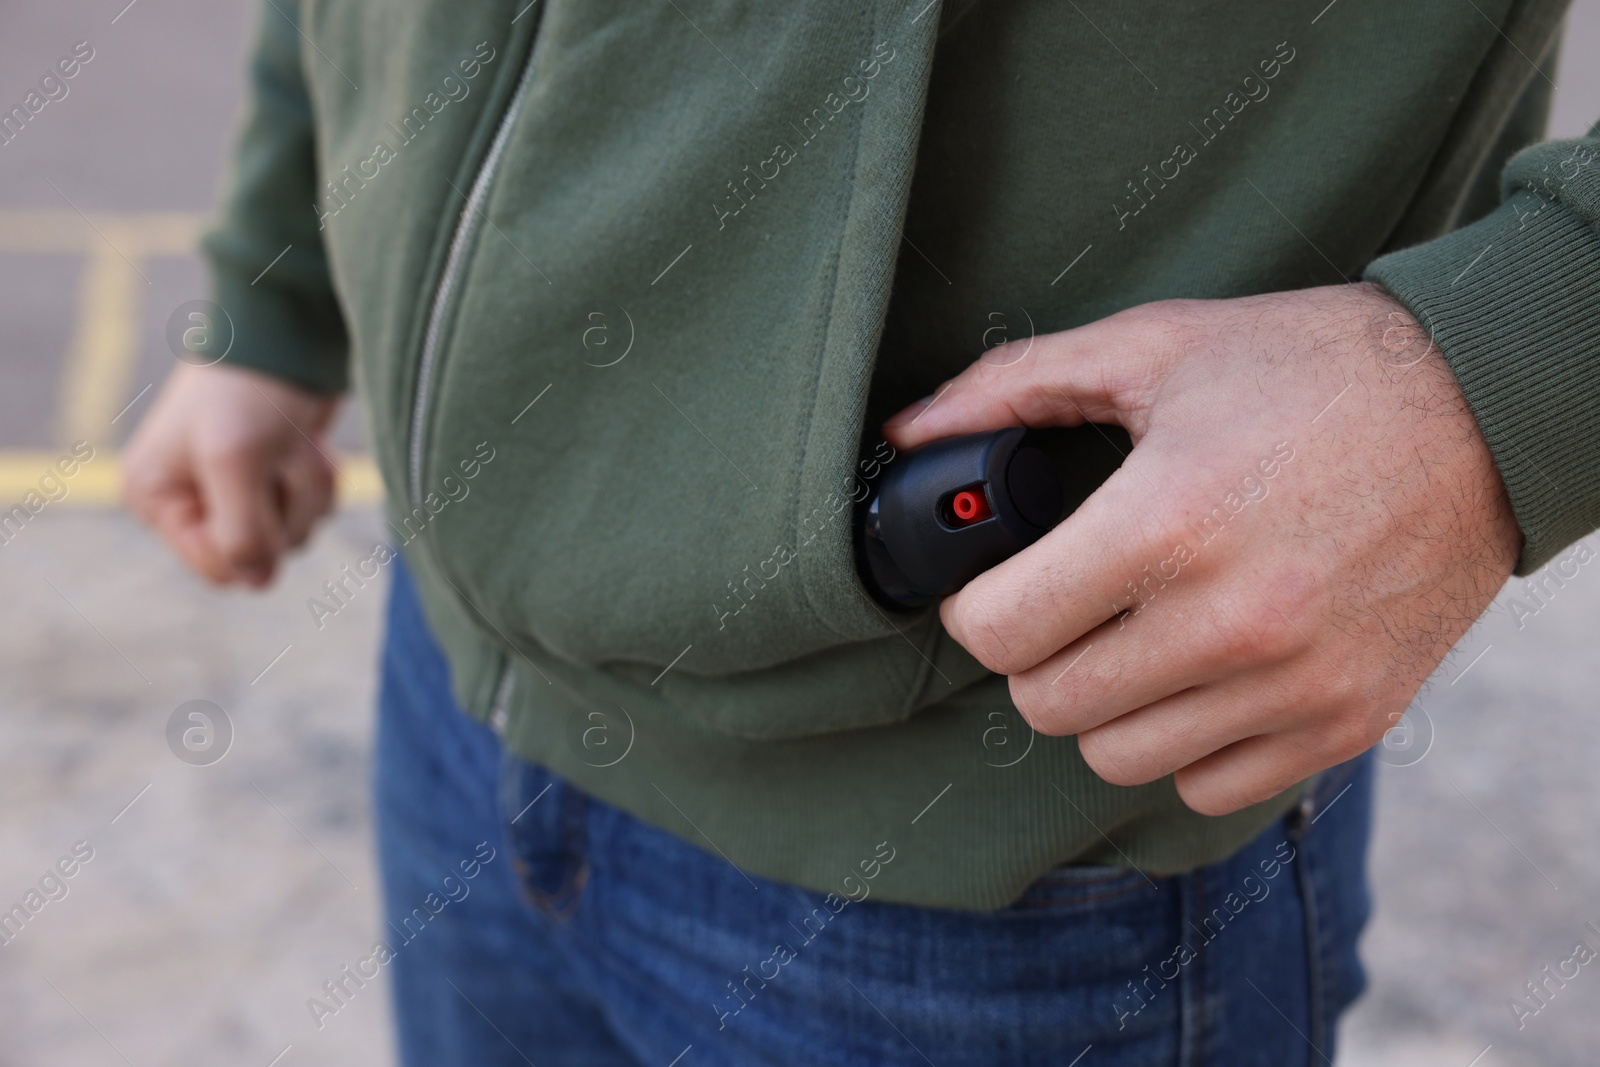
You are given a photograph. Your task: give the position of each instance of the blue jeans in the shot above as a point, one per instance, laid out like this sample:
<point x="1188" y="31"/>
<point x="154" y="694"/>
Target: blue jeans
<point x="528" y="923"/>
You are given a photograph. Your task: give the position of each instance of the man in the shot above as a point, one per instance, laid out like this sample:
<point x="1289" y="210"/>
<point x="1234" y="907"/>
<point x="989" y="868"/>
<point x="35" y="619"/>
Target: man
<point x="630" y="289"/>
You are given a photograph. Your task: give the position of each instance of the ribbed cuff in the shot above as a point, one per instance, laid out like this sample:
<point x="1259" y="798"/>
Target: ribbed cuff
<point x="1513" y="302"/>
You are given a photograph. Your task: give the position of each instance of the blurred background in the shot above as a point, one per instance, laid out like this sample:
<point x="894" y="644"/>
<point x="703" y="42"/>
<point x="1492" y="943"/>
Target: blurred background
<point x="219" y="894"/>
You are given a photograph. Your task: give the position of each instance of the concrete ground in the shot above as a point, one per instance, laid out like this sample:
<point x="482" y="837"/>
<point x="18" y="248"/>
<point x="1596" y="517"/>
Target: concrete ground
<point x="228" y="892"/>
<point x="209" y="899"/>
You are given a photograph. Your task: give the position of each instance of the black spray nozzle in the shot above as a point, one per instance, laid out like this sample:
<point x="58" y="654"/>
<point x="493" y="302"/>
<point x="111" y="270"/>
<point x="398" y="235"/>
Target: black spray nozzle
<point x="946" y="512"/>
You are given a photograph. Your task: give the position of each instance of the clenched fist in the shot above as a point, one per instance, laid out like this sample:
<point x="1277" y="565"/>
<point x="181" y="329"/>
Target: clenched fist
<point x="230" y="468"/>
<point x="1308" y="521"/>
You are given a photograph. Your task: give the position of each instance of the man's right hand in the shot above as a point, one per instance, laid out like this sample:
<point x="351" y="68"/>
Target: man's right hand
<point x="230" y="467"/>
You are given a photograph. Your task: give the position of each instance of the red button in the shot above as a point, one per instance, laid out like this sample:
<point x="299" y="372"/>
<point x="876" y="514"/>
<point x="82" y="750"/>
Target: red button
<point x="970" y="506"/>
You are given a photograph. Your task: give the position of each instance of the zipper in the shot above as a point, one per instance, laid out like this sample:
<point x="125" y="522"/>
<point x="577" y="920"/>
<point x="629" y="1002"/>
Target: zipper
<point x="466" y="229"/>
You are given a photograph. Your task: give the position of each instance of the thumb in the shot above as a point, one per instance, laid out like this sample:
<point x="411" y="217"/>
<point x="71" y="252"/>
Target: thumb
<point x="1103" y="372"/>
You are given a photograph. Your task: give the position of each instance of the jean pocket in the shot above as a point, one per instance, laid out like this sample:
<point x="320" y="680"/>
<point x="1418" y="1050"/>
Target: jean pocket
<point x="546" y="826"/>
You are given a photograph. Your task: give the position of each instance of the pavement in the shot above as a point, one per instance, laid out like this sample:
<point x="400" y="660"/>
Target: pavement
<point x="211" y="895"/>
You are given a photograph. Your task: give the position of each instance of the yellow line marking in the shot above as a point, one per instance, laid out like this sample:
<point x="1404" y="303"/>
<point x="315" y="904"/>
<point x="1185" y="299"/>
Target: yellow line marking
<point x="104" y="347"/>
<point x="98" y="482"/>
<point x="107" y="331"/>
<point x="143" y="233"/>
<point x="363" y="483"/>
<point x="94" y="483"/>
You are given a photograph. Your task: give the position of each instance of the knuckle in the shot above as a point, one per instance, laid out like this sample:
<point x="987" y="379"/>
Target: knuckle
<point x="1037" y="706"/>
<point x="1064" y="693"/>
<point x="1166" y="330"/>
<point x="1156" y="336"/>
<point x="1202" y="796"/>
<point x="1169" y="325"/>
<point x="979" y="627"/>
<point x="1161" y="552"/>
<point x="1113" y="759"/>
<point x="1250" y="629"/>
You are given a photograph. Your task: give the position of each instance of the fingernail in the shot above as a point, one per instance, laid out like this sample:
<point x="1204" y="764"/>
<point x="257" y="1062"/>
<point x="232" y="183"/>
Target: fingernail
<point x="910" y="412"/>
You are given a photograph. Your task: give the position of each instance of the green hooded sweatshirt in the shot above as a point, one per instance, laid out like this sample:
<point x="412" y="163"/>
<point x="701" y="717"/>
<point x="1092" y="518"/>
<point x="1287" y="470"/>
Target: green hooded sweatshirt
<point x="627" y="286"/>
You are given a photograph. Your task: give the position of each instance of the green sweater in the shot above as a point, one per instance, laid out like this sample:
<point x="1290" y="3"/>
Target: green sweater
<point x="627" y="286"/>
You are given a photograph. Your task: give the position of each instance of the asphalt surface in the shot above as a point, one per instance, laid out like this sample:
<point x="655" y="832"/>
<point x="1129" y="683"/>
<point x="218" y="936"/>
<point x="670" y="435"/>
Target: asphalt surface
<point x="219" y="897"/>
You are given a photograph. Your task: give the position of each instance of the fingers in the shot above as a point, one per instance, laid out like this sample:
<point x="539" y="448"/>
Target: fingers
<point x="1167" y="735"/>
<point x="1017" y="613"/>
<point x="1121" y="548"/>
<point x="1125" y="664"/>
<point x="1095" y="373"/>
<point x="1259" y="768"/>
<point x="178" y="517"/>
<point x="223" y="467"/>
<point x="236" y="516"/>
<point x="1228" y="745"/>
<point x="243" y="517"/>
<point x="1191" y="631"/>
<point x="158" y="486"/>
<point x="307" y="484"/>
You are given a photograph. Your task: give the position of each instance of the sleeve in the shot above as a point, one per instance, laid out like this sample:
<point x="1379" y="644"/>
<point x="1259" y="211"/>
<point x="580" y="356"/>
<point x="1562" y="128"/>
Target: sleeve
<point x="268" y="264"/>
<point x="1513" y="303"/>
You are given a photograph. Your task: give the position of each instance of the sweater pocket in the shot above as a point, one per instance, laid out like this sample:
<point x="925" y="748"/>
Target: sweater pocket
<point x="676" y="509"/>
<point x="848" y="664"/>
